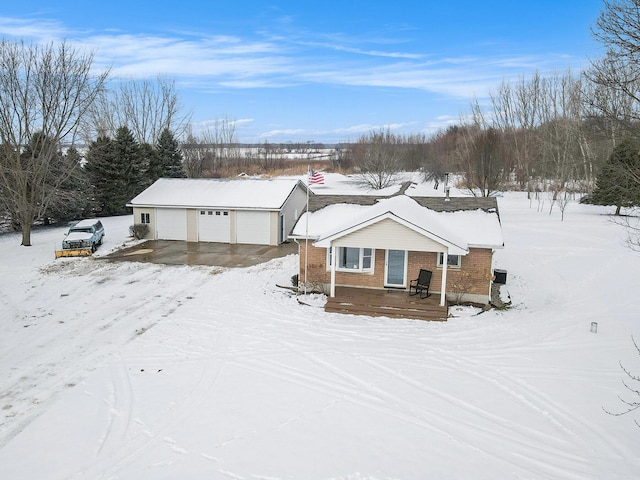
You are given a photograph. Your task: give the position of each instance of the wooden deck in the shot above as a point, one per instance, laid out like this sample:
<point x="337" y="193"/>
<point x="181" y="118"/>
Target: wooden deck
<point x="385" y="303"/>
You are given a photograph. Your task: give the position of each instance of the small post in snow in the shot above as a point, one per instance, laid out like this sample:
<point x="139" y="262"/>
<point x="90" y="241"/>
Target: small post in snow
<point x="594" y="327"/>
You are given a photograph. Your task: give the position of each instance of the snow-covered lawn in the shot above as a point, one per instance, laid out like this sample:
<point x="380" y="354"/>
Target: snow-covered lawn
<point x="138" y="371"/>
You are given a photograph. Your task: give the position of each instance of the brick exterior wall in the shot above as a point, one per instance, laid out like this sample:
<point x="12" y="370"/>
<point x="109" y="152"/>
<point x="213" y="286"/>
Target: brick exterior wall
<point x="473" y="276"/>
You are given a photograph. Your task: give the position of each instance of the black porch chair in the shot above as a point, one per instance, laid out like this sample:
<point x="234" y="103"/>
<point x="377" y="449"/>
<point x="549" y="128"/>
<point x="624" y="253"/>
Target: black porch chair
<point x="421" y="284"/>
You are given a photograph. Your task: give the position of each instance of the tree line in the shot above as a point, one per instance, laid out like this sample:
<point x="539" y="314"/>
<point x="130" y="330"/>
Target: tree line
<point x="50" y="102"/>
<point x="560" y="133"/>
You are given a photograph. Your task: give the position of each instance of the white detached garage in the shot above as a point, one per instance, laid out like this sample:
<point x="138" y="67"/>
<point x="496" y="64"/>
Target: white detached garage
<point x="254" y="211"/>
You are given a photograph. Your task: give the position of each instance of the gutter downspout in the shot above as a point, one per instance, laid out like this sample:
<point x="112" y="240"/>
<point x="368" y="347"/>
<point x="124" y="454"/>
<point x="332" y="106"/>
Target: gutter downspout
<point x="443" y="293"/>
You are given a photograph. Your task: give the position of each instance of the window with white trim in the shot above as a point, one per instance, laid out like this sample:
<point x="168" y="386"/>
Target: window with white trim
<point x="453" y="261"/>
<point x="352" y="259"/>
<point x="145" y="218"/>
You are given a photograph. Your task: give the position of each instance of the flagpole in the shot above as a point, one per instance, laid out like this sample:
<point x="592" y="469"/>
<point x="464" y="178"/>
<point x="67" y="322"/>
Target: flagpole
<point x="306" y="236"/>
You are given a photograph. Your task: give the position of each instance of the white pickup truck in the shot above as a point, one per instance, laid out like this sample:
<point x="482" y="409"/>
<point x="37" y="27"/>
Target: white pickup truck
<point x="82" y="239"/>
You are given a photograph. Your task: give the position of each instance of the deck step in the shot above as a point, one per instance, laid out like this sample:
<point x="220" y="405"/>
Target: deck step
<point x="387" y="303"/>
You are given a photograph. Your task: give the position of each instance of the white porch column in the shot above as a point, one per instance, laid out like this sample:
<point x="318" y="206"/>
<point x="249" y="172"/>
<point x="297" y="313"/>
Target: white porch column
<point x="333" y="271"/>
<point x="443" y="293"/>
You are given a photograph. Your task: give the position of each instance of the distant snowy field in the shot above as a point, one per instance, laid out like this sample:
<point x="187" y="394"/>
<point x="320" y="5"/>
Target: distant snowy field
<point x="137" y="371"/>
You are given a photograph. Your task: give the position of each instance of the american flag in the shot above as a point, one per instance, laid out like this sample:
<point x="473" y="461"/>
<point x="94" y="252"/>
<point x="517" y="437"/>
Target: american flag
<point x="316" y="178"/>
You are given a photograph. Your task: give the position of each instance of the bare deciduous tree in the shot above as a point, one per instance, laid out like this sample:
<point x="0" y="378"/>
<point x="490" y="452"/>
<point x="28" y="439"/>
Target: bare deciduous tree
<point x="632" y="224"/>
<point x="617" y="75"/>
<point x="269" y="156"/>
<point x="213" y="148"/>
<point x="632" y="385"/>
<point x="563" y="199"/>
<point x="484" y="161"/>
<point x="194" y="156"/>
<point x="440" y="156"/>
<point x="517" y="115"/>
<point x="618" y="30"/>
<point x="611" y="87"/>
<point x="44" y="91"/>
<point x="561" y="113"/>
<point x="341" y="158"/>
<point x="378" y="158"/>
<point x="147" y="107"/>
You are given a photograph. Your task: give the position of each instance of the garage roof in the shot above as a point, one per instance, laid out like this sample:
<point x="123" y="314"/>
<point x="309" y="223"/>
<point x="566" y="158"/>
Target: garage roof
<point x="242" y="193"/>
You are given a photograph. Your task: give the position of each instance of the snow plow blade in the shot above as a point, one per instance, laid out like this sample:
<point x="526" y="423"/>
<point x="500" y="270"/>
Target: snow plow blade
<point x="76" y="252"/>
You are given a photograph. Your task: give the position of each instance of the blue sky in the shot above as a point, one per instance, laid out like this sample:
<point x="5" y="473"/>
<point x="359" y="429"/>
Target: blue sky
<point x="326" y="71"/>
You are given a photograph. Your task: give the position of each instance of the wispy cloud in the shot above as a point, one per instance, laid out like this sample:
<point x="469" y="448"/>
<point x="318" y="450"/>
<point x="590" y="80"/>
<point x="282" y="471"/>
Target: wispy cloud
<point x="463" y="77"/>
<point x="353" y="131"/>
<point x="148" y="55"/>
<point x="37" y="30"/>
<point x="233" y="62"/>
<point x="360" y="51"/>
<point x="287" y="132"/>
<point x="388" y="60"/>
<point x="230" y="121"/>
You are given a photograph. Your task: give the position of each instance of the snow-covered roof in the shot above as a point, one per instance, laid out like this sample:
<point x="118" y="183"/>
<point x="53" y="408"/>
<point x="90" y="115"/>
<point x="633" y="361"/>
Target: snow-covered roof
<point x="263" y="194"/>
<point x="88" y="222"/>
<point x="459" y="230"/>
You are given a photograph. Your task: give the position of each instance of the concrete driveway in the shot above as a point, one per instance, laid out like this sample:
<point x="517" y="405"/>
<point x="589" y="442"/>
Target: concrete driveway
<point x="171" y="252"/>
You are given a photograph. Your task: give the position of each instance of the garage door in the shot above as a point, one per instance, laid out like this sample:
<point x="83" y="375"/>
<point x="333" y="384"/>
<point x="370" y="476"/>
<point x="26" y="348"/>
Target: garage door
<point x="214" y="226"/>
<point x="172" y="223"/>
<point x="253" y="227"/>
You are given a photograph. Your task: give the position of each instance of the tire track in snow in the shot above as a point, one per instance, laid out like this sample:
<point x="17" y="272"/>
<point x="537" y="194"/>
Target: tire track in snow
<point x="545" y="407"/>
<point x="357" y="391"/>
<point x="353" y="389"/>
<point x="42" y="377"/>
<point x="120" y="455"/>
<point x="456" y="429"/>
<point x="31" y="382"/>
<point x="120" y="407"/>
<point x="499" y="428"/>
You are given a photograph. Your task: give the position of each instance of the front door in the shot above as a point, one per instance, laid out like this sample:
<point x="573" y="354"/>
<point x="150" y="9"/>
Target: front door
<point x="396" y="268"/>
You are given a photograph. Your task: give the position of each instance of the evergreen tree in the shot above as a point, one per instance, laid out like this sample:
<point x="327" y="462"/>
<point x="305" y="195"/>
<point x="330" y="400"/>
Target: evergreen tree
<point x="65" y="187"/>
<point x="102" y="174"/>
<point x="170" y="156"/>
<point x="117" y="171"/>
<point x="617" y="183"/>
<point x="73" y="195"/>
<point x="152" y="161"/>
<point x="130" y="164"/>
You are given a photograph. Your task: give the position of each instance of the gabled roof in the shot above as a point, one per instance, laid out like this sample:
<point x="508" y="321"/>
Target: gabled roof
<point x="457" y="228"/>
<point x="262" y="194"/>
<point x="405" y="211"/>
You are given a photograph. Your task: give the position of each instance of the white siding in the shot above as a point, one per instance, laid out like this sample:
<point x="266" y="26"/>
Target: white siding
<point x="137" y="219"/>
<point x="214" y="225"/>
<point x="389" y="235"/>
<point x="292" y="209"/>
<point x="253" y="227"/>
<point x="171" y="223"/>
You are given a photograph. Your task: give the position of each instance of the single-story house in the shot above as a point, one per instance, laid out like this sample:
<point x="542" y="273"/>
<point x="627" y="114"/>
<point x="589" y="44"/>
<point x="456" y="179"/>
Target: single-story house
<point x="253" y="211"/>
<point x="382" y="243"/>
